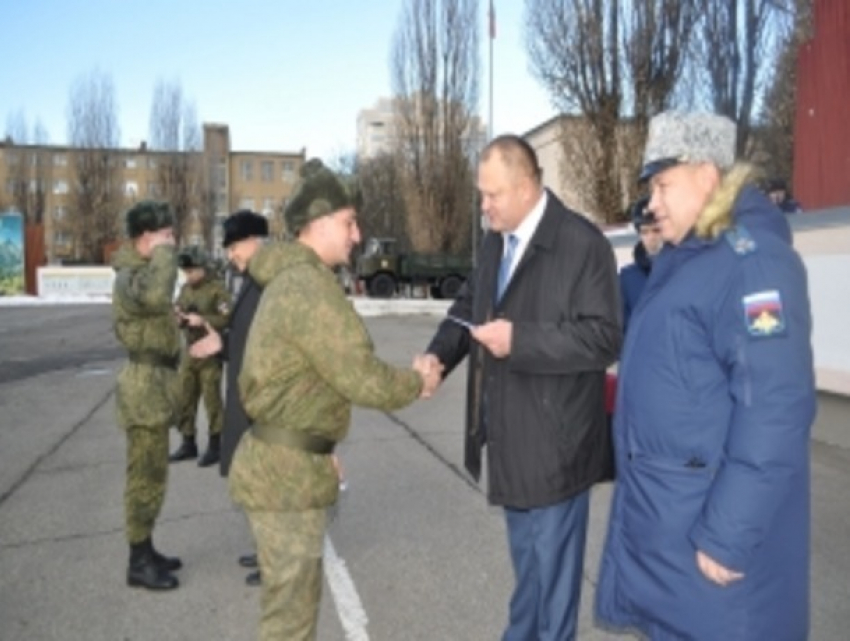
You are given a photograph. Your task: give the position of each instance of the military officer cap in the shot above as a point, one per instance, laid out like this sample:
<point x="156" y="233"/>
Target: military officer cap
<point x="148" y="215"/>
<point x="244" y="224"/>
<point x="320" y="193"/>
<point x="678" y="138"/>
<point x="192" y="256"/>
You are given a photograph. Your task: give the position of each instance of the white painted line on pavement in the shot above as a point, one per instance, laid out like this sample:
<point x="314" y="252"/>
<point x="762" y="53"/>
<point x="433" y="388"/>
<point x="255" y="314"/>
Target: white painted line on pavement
<point x="348" y="605"/>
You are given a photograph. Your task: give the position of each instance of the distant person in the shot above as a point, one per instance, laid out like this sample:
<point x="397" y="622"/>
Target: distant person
<point x="633" y="277"/>
<point x="708" y="537"/>
<point x="777" y="191"/>
<point x="143" y="318"/>
<point x="544" y="312"/>
<point x="244" y="234"/>
<point x="203" y="301"/>
<point x="308" y="360"/>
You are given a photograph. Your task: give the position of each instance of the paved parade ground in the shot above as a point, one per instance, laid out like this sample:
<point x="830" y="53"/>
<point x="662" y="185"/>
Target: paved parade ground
<point x="414" y="552"/>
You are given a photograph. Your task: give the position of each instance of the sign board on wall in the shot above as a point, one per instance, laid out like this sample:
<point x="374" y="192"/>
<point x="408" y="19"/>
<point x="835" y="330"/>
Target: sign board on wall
<point x="11" y="254"/>
<point x="54" y="282"/>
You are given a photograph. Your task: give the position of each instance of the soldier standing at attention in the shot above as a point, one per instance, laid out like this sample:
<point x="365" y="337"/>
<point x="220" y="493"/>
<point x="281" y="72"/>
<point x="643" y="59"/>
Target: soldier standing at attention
<point x="146" y="273"/>
<point x="308" y="359"/>
<point x="203" y="299"/>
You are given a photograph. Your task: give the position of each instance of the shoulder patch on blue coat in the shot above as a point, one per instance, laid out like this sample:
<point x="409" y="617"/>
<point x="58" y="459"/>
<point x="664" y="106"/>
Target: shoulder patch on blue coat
<point x="741" y="241"/>
<point x="763" y="313"/>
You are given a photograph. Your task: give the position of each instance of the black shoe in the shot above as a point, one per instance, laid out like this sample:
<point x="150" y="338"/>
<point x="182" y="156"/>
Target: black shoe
<point x="253" y="579"/>
<point x="212" y="455"/>
<point x="248" y="560"/>
<point x="143" y="571"/>
<point x="188" y="450"/>
<point x="167" y="563"/>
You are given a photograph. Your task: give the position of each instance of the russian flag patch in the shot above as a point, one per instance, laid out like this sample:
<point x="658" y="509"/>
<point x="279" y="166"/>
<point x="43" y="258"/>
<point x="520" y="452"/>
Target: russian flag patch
<point x="763" y="313"/>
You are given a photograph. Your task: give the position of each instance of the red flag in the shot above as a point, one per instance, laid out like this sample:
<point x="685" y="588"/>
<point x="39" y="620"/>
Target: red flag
<point x="492" y="21"/>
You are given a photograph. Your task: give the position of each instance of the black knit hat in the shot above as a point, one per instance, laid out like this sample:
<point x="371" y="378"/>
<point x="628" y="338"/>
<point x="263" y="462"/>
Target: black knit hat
<point x="148" y="215"/>
<point x="244" y="224"/>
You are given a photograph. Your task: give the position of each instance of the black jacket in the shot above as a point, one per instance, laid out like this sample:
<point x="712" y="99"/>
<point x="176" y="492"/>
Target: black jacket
<point x="236" y="421"/>
<point x="546" y="432"/>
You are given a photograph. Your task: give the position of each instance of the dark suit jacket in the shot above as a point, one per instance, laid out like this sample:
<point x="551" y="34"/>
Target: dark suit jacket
<point x="236" y="421"/>
<point x="540" y="410"/>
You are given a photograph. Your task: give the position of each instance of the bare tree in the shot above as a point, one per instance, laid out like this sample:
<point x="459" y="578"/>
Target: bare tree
<point x="435" y="75"/>
<point x="174" y="132"/>
<point x="382" y="211"/>
<point x="613" y="65"/>
<point x="29" y="170"/>
<point x="96" y="196"/>
<point x="774" y="138"/>
<point x="737" y="50"/>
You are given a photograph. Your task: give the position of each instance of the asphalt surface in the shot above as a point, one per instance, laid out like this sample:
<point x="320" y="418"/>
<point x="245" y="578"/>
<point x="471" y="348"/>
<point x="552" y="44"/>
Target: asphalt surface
<point x="426" y="556"/>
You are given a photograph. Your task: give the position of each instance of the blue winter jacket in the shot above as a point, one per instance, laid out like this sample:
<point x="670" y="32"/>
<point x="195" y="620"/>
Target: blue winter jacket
<point x="714" y="409"/>
<point x="632" y="281"/>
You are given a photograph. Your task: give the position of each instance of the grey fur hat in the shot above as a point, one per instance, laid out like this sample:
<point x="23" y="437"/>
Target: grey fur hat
<point x="677" y="138"/>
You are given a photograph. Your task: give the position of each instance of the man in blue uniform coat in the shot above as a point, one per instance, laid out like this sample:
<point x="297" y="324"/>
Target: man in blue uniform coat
<point x="709" y="531"/>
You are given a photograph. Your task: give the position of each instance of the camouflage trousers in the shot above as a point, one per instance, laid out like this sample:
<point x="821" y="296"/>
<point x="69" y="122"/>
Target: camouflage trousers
<point x="147" y="475"/>
<point x="289" y="549"/>
<point x="197" y="380"/>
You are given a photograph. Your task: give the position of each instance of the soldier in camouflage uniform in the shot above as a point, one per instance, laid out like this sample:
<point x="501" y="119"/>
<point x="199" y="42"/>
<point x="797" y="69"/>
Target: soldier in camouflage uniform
<point x="203" y="299"/>
<point x="146" y="274"/>
<point x="308" y="359"/>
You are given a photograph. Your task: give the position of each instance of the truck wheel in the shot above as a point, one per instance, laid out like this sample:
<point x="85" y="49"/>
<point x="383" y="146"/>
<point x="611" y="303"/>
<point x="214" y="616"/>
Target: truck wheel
<point x="382" y="286"/>
<point x="450" y="286"/>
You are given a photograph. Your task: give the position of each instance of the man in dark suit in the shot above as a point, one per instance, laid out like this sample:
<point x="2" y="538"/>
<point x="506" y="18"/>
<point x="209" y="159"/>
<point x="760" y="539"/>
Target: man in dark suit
<point x="244" y="234"/>
<point x="544" y="309"/>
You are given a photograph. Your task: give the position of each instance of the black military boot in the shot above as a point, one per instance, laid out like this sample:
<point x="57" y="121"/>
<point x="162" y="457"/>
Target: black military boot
<point x="143" y="571"/>
<point x="213" y="453"/>
<point x="188" y="450"/>
<point x="167" y="563"/>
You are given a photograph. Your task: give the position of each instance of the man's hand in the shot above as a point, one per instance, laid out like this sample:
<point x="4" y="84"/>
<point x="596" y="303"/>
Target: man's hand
<point x="194" y="320"/>
<point x="207" y="346"/>
<point x="715" y="572"/>
<point x="496" y="336"/>
<point x="431" y="371"/>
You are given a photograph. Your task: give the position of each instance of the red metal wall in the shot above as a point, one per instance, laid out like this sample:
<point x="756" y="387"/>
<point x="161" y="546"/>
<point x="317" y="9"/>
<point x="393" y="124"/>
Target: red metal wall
<point x="822" y="127"/>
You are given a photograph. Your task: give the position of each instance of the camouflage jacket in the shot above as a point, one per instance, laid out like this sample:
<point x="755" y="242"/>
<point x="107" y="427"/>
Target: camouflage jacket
<point x="143" y="320"/>
<point x="208" y="298"/>
<point x="308" y="359"/>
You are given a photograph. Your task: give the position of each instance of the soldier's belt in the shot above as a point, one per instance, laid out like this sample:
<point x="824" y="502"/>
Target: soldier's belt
<point x="293" y="439"/>
<point x="157" y="360"/>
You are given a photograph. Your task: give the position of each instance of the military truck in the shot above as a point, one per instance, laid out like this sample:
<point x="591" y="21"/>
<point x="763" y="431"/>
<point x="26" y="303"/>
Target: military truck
<point x="382" y="270"/>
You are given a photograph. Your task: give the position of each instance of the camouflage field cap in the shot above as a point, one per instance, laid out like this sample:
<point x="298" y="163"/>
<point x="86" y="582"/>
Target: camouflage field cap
<point x="148" y="215"/>
<point x="192" y="256"/>
<point x="678" y="138"/>
<point x="320" y="193"/>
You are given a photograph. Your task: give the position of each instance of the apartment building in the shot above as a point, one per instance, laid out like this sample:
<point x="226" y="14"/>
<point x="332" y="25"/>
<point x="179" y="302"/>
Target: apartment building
<point x="377" y="127"/>
<point x="259" y="180"/>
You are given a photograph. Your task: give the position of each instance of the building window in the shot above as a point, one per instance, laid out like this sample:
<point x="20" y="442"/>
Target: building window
<point x="287" y="171"/>
<point x="131" y="189"/>
<point x="59" y="213"/>
<point x="130" y="163"/>
<point x="60" y="160"/>
<point x="268" y="206"/>
<point x="10" y="186"/>
<point x="60" y="186"/>
<point x="247" y="170"/>
<point x="247" y="203"/>
<point x="221" y="175"/>
<point x="153" y="189"/>
<point x="152" y="163"/>
<point x="12" y="158"/>
<point x="267" y="171"/>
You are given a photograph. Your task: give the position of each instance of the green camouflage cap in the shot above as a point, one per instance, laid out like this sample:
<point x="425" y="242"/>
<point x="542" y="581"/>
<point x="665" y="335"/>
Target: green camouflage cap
<point x="677" y="138"/>
<point x="192" y="256"/>
<point x="148" y="215"/>
<point x="319" y="193"/>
